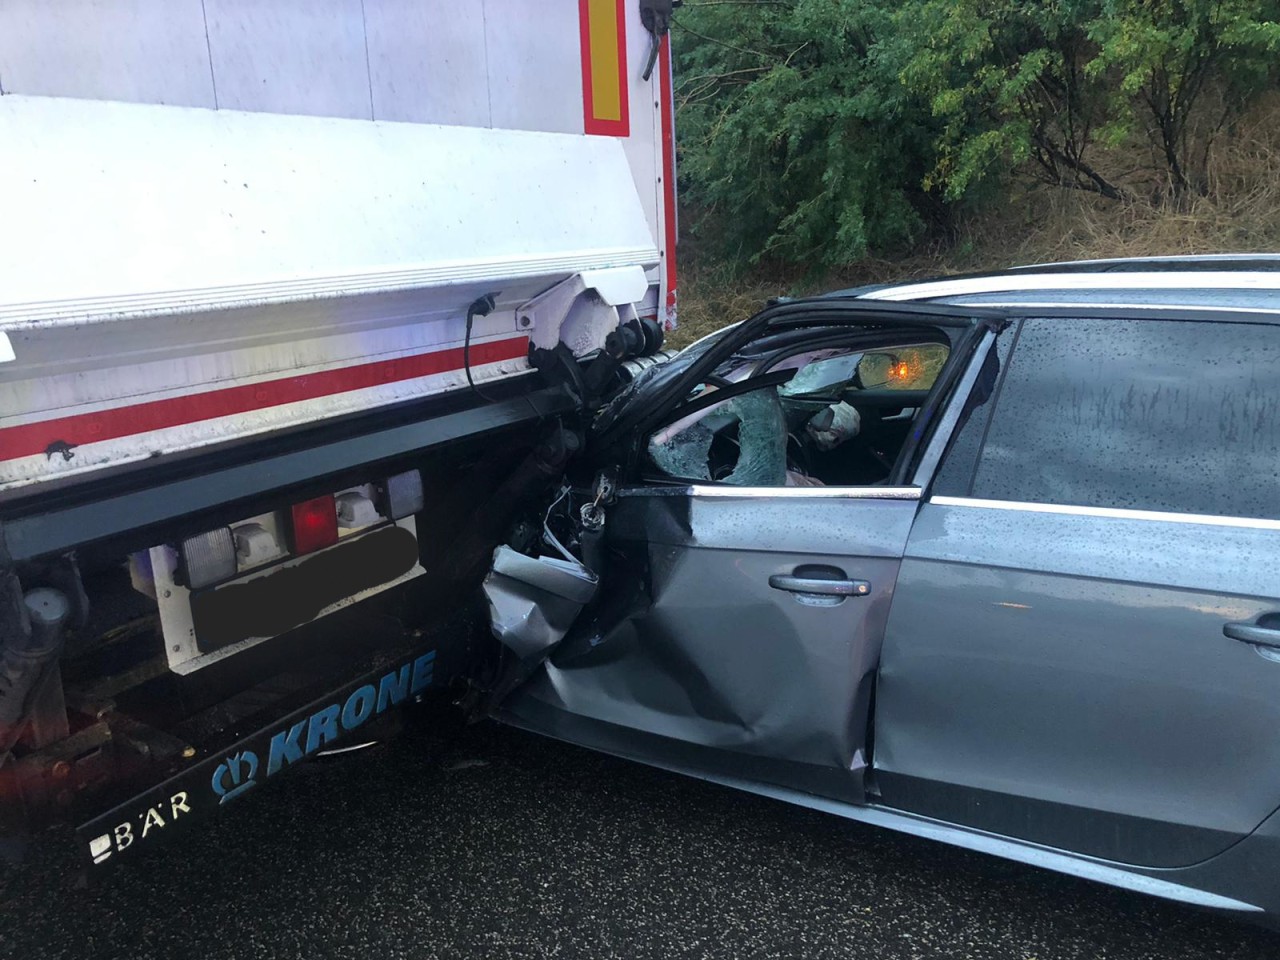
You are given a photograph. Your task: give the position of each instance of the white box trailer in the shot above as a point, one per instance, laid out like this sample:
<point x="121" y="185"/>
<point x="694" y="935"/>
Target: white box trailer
<point x="281" y="278"/>
<point x="232" y="216"/>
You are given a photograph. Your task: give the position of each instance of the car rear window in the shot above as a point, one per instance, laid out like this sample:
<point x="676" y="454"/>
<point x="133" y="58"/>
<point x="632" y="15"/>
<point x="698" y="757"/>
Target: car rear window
<point x="1142" y="414"/>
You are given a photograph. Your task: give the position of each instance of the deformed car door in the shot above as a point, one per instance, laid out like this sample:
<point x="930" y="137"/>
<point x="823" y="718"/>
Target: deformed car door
<point x="740" y="626"/>
<point x="748" y="638"/>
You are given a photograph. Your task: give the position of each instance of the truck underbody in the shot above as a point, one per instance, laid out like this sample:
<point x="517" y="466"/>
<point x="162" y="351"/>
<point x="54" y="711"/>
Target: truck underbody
<point x="109" y="719"/>
<point x="115" y="733"/>
<point x="310" y="307"/>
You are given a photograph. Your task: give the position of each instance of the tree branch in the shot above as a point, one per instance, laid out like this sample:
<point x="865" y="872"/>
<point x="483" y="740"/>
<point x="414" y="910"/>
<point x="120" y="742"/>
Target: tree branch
<point x="721" y="43"/>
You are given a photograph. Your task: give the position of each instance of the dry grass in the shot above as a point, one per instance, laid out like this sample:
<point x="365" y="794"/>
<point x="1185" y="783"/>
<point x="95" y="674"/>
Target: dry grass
<point x="1240" y="212"/>
<point x="711" y="297"/>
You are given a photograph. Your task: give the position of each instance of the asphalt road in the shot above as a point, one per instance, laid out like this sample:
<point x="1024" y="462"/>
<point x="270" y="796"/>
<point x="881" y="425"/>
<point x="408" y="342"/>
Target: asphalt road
<point x="487" y="842"/>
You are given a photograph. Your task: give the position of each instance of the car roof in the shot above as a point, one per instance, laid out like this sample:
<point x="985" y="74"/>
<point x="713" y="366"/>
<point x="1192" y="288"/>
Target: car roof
<point x="1213" y="282"/>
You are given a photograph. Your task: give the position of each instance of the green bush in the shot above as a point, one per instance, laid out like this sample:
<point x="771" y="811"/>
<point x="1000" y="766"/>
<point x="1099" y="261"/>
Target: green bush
<point x="798" y="141"/>
<point x="816" y="132"/>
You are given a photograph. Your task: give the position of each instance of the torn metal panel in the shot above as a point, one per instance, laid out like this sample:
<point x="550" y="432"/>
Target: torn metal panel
<point x="534" y="601"/>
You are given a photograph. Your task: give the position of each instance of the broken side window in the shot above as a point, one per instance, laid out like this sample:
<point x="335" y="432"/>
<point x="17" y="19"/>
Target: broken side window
<point x="749" y="432"/>
<point x="841" y="419"/>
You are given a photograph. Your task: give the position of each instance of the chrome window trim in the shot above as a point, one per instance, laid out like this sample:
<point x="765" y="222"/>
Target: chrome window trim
<point x="1028" y="305"/>
<point x="707" y="492"/>
<point x="1200" y="280"/>
<point x="1113" y="513"/>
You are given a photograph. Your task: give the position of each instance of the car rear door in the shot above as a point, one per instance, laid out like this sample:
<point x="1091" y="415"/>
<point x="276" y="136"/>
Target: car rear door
<point x="1082" y="650"/>
<point x="740" y="626"/>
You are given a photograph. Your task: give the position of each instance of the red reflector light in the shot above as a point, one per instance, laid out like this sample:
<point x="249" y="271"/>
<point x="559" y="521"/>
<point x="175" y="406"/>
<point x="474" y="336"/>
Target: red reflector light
<point x="315" y="525"/>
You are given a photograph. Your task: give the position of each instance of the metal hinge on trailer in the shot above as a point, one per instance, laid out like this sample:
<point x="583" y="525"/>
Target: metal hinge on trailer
<point x="583" y="310"/>
<point x="592" y="314"/>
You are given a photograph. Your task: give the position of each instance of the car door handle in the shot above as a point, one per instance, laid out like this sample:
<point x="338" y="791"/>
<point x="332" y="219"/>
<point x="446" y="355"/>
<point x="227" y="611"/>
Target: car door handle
<point x="819" y="586"/>
<point x="1256" y="634"/>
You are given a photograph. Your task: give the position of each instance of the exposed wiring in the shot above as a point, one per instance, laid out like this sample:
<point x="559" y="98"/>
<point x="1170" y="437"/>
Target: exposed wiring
<point x="480" y="308"/>
<point x="550" y="537"/>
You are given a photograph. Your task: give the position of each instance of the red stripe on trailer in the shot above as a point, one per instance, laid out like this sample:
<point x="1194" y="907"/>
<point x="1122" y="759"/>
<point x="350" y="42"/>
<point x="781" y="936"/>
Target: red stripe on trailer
<point x="668" y="174"/>
<point x="604" y="59"/>
<point x="35" y="438"/>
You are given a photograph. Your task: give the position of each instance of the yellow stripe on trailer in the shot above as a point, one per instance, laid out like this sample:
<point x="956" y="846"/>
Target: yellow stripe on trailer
<point x="604" y="67"/>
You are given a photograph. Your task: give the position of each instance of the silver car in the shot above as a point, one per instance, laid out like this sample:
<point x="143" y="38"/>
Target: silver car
<point x="993" y="560"/>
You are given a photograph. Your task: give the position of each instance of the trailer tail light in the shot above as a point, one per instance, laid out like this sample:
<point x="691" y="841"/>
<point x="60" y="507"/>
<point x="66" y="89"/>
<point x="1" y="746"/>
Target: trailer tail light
<point x="403" y="495"/>
<point x="209" y="558"/>
<point x="314" y="525"/>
